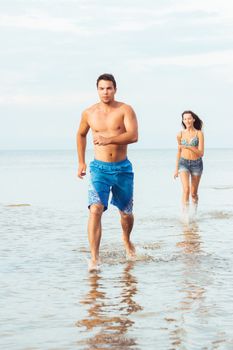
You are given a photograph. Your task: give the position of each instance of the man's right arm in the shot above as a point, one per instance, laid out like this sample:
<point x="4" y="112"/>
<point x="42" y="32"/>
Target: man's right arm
<point x="81" y="141"/>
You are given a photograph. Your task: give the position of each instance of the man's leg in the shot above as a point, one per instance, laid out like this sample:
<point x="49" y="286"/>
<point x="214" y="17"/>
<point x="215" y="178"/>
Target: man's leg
<point x="127" y="221"/>
<point x="94" y="233"/>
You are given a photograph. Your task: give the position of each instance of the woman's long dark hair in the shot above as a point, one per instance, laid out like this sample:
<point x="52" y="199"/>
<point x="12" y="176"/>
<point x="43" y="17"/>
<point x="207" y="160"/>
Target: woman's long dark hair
<point x="198" y="123"/>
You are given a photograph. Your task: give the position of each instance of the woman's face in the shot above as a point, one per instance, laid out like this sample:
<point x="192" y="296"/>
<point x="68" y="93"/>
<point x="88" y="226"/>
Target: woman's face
<point x="188" y="120"/>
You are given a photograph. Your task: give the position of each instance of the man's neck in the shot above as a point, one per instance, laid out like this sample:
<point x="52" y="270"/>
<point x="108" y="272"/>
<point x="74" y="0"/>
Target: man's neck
<point x="107" y="106"/>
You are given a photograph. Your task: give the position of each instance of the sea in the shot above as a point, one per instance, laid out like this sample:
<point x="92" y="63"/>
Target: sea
<point x="176" y="294"/>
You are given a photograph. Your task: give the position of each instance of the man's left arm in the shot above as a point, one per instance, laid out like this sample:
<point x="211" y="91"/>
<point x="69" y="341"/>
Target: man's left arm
<point x="130" y="135"/>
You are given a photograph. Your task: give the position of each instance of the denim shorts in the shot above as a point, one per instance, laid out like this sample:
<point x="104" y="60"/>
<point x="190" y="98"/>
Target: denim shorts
<point x="114" y="177"/>
<point x="194" y="167"/>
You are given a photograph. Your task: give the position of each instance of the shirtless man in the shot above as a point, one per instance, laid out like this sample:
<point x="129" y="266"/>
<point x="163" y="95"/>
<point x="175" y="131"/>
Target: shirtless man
<point x="114" y="126"/>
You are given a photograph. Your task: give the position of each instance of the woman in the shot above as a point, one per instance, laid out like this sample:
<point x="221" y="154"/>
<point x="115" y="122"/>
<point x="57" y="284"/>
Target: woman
<point x="189" y="157"/>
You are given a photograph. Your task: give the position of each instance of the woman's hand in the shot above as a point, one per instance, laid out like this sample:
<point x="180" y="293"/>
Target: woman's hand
<point x="180" y="147"/>
<point x="176" y="174"/>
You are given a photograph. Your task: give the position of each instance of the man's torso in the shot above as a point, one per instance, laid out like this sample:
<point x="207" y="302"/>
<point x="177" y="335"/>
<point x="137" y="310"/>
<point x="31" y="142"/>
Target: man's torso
<point x="108" y="124"/>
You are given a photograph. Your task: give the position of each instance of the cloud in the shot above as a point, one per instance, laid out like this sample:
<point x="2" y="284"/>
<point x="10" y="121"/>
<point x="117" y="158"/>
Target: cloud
<point x="39" y="100"/>
<point x="90" y="19"/>
<point x="218" y="9"/>
<point x="193" y="60"/>
<point x="42" y="22"/>
<point x="135" y="25"/>
<point x="140" y="18"/>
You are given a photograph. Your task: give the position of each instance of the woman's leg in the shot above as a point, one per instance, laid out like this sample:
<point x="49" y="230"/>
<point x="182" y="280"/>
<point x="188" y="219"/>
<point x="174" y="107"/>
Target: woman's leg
<point x="195" y="180"/>
<point x="184" y="176"/>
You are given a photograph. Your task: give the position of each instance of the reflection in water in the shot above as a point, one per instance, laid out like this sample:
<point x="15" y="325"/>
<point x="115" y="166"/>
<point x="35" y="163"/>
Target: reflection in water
<point x="108" y="318"/>
<point x="192" y="291"/>
<point x="191" y="243"/>
<point x="192" y="267"/>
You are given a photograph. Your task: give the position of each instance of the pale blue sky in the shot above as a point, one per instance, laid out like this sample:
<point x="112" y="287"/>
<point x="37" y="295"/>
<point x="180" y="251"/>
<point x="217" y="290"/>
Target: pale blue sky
<point x="167" y="56"/>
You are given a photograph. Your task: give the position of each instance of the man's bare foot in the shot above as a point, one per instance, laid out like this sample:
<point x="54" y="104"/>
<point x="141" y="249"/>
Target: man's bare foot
<point x="130" y="249"/>
<point x="93" y="266"/>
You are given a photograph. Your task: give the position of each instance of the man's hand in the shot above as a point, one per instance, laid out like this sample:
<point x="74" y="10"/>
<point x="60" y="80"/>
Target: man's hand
<point x="82" y="170"/>
<point x="101" y="140"/>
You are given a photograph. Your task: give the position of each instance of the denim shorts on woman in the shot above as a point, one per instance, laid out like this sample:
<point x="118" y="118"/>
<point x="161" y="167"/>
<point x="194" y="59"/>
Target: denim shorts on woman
<point x="116" y="177"/>
<point x="194" y="167"/>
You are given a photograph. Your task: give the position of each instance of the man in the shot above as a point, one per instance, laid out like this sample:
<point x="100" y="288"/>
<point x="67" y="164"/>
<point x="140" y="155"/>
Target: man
<point x="114" y="126"/>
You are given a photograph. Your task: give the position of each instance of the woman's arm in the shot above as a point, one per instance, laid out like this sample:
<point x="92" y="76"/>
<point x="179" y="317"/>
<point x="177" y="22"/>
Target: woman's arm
<point x="176" y="173"/>
<point x="199" y="151"/>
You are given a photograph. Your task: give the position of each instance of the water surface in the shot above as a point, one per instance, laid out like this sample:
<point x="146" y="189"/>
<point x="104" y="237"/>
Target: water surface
<point x="176" y="295"/>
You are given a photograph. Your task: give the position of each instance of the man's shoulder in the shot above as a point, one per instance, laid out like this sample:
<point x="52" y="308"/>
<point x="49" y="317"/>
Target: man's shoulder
<point x="89" y="110"/>
<point x="124" y="106"/>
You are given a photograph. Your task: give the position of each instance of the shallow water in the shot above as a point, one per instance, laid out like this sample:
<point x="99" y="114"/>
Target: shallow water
<point x="176" y="295"/>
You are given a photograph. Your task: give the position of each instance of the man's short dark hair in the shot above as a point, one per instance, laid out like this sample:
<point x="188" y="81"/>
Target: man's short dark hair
<point x="108" y="77"/>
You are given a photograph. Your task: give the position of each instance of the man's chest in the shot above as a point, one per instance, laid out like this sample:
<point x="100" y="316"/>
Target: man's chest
<point x="106" y="122"/>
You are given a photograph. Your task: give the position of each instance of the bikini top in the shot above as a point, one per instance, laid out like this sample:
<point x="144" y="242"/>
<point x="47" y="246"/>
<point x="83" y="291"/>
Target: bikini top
<point x="193" y="142"/>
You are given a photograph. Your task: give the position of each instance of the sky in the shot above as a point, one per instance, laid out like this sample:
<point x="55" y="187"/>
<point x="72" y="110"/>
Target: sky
<point x="167" y="56"/>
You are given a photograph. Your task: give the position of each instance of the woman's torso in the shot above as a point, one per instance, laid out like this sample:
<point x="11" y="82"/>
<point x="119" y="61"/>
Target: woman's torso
<point x="189" y="139"/>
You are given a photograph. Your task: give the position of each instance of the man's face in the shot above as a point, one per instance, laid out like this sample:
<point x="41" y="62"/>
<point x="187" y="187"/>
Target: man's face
<point x="106" y="91"/>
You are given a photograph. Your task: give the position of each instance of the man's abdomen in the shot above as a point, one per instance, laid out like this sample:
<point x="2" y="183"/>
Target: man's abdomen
<point x="111" y="153"/>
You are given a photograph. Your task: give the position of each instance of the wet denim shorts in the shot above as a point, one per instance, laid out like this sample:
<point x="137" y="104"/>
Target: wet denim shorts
<point x="114" y="177"/>
<point x="194" y="167"/>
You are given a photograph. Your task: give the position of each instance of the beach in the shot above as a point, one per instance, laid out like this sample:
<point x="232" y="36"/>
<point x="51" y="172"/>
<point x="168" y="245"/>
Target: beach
<point x="177" y="294"/>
